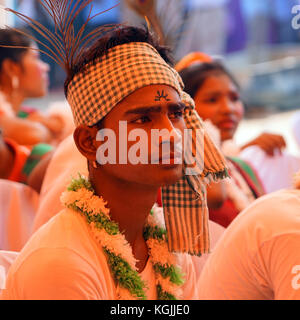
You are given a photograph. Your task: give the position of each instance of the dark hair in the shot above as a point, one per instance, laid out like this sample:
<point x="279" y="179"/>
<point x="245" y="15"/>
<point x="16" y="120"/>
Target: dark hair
<point x="9" y="37"/>
<point x="194" y="76"/>
<point x="121" y="34"/>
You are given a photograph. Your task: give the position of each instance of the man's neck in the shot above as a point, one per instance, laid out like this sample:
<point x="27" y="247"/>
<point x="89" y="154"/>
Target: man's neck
<point x="129" y="205"/>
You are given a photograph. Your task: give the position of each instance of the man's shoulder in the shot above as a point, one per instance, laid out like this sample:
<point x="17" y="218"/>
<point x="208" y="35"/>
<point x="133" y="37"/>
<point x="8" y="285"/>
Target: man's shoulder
<point x="278" y="210"/>
<point x="49" y="273"/>
<point x="66" y="231"/>
<point x="263" y="222"/>
<point x="61" y="251"/>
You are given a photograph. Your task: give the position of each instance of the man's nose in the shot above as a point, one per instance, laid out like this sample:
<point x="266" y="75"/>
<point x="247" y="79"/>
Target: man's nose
<point x="169" y="132"/>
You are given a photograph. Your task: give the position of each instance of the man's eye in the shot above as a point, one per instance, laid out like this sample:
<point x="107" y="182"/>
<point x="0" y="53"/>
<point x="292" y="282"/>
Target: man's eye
<point x="177" y="114"/>
<point x="141" y="120"/>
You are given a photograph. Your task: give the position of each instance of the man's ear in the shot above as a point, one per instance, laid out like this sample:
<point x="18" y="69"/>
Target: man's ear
<point x="85" y="140"/>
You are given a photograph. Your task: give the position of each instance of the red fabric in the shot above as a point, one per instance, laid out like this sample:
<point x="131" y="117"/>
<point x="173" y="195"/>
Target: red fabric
<point x="225" y="214"/>
<point x="28" y="109"/>
<point x="258" y="190"/>
<point x="21" y="154"/>
<point x="228" y="211"/>
<point x="159" y="198"/>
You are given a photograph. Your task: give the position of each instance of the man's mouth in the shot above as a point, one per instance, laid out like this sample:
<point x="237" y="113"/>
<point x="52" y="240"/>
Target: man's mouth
<point x="169" y="158"/>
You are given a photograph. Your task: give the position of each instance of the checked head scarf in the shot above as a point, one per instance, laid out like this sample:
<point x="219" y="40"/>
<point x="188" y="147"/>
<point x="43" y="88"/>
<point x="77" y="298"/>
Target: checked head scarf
<point x="103" y="83"/>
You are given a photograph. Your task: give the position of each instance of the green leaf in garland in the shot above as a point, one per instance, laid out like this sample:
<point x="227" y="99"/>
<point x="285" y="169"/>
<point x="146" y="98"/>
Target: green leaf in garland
<point x="101" y="220"/>
<point x="79" y="183"/>
<point x="126" y="276"/>
<point x="171" y="272"/>
<point x="155" y="233"/>
<point x="163" y="295"/>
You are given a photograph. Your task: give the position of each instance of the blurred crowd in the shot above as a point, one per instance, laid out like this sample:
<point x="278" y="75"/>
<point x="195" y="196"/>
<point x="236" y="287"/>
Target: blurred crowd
<point x="217" y="27"/>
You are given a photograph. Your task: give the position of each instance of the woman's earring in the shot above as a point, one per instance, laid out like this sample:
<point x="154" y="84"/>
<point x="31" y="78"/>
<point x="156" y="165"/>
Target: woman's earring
<point x="94" y="164"/>
<point x="15" y="82"/>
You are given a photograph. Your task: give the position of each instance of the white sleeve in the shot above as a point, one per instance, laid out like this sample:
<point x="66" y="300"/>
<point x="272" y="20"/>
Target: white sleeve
<point x="189" y="289"/>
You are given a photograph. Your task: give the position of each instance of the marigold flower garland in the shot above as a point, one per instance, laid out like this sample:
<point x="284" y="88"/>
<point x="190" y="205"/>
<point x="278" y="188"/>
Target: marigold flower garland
<point x="81" y="198"/>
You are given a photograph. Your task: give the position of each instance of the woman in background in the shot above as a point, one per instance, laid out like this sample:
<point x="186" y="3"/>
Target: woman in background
<point x="217" y="98"/>
<point x="24" y="75"/>
<point x="24" y="164"/>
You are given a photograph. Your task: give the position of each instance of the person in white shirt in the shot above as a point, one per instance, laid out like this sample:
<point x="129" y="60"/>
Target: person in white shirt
<point x="258" y="256"/>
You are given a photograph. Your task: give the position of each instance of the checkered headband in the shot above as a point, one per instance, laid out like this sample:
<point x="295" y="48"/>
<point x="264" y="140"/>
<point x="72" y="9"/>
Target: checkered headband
<point x="104" y="83"/>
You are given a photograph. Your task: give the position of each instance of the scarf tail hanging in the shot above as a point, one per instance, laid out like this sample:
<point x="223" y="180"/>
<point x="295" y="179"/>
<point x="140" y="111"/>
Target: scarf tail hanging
<point x="186" y="218"/>
<point x="185" y="204"/>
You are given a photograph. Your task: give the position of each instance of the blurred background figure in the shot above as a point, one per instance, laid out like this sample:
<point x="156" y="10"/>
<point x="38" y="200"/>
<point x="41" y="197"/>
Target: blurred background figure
<point x="165" y="17"/>
<point x="217" y="100"/>
<point x="282" y="20"/>
<point x="217" y="97"/>
<point x="257" y="14"/>
<point x="110" y="16"/>
<point x="268" y="23"/>
<point x="24" y="75"/>
<point x="18" y="205"/>
<point x="18" y="201"/>
<point x="205" y="27"/>
<point x="295" y="123"/>
<point x="34" y="10"/>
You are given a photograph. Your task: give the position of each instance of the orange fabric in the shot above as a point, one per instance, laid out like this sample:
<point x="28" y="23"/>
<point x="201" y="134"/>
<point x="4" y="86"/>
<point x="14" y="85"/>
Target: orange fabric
<point x="191" y="58"/>
<point x="215" y="232"/>
<point x="63" y="261"/>
<point x="21" y="154"/>
<point x="18" y="204"/>
<point x="258" y="256"/>
<point x="6" y="259"/>
<point x="58" y="176"/>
